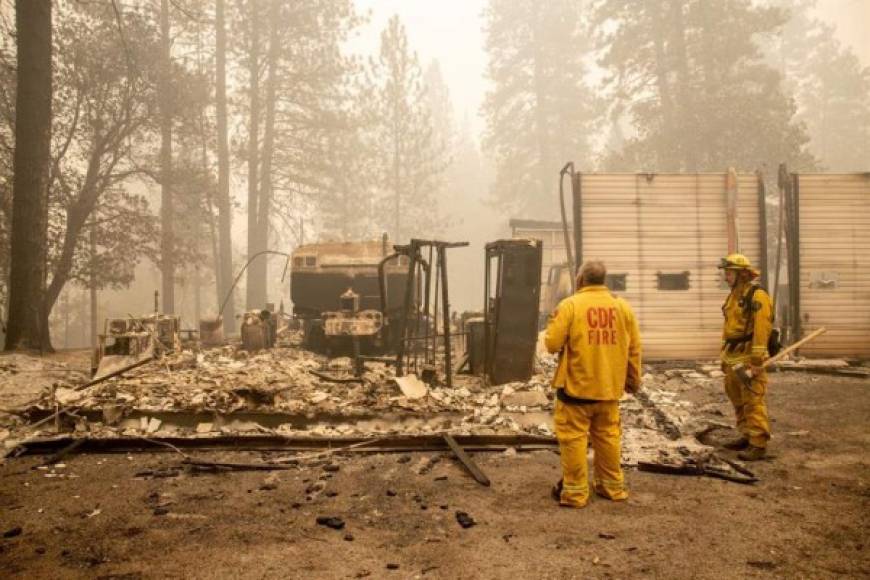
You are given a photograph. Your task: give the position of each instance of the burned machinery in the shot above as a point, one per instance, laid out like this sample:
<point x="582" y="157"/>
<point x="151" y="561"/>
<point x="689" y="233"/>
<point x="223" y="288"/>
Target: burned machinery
<point x="127" y="341"/>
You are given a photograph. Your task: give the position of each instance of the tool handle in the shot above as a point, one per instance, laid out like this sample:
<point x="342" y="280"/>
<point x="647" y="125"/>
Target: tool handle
<point x="793" y="347"/>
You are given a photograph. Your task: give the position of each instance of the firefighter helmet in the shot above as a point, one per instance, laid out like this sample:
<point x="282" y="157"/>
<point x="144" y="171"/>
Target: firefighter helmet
<point x="737" y="262"/>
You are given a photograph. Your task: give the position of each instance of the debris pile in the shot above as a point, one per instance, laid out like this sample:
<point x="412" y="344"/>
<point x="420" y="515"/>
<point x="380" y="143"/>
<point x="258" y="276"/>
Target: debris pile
<point x="288" y="391"/>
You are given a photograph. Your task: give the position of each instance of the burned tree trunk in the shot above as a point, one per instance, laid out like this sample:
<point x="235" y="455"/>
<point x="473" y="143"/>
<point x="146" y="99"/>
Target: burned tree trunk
<point x="167" y="210"/>
<point x="225" y="271"/>
<point x="31" y="176"/>
<point x="255" y="293"/>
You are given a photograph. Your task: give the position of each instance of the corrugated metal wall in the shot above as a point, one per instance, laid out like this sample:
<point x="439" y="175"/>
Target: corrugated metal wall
<point x="646" y="225"/>
<point x="834" y="262"/>
<point x="643" y="225"/>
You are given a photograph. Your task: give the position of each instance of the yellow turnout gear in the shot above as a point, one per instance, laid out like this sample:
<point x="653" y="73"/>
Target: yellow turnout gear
<point x="598" y="339"/>
<point x="750" y="407"/>
<point x="748" y="323"/>
<point x="574" y="425"/>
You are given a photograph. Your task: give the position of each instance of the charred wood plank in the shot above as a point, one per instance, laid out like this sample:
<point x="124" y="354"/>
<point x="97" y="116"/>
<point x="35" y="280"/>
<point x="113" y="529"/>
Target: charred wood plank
<point x="466" y="461"/>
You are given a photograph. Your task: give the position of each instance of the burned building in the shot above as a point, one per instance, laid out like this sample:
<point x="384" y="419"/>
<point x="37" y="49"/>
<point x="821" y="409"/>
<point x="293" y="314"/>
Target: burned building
<point x="661" y="236"/>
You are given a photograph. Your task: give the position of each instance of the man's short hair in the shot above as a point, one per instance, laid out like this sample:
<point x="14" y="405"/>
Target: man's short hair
<point x="593" y="272"/>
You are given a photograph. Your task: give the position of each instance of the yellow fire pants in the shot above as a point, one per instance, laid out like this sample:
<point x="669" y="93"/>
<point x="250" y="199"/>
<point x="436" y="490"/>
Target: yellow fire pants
<point x="749" y="407"/>
<point x="574" y="425"/>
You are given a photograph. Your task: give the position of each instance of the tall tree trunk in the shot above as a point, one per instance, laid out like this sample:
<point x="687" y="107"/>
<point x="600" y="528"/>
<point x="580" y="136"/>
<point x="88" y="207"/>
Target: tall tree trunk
<point x="666" y="154"/>
<point x="545" y="164"/>
<point x="224" y="273"/>
<point x="254" y="295"/>
<point x="31" y="163"/>
<point x="93" y="288"/>
<point x="258" y="275"/>
<point x="680" y="61"/>
<point x="167" y="211"/>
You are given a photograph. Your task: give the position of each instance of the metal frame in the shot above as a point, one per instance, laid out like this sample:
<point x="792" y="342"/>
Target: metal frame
<point x="792" y="230"/>
<point x="416" y="262"/>
<point x="577" y="195"/>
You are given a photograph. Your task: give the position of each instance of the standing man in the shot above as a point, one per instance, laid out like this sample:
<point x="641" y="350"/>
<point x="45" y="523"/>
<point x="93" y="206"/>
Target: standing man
<point x="598" y="339"/>
<point x="748" y="324"/>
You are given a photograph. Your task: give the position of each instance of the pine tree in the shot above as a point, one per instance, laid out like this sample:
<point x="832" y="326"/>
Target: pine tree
<point x="410" y="163"/>
<point x="540" y="111"/>
<point x="830" y="85"/>
<point x="692" y="76"/>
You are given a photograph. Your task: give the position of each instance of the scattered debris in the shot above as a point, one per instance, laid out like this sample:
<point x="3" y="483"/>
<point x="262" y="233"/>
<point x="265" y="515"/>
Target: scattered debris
<point x="333" y="522"/>
<point x="710" y="465"/>
<point x="465" y="520"/>
<point x="411" y="386"/>
<point x="11" y="533"/>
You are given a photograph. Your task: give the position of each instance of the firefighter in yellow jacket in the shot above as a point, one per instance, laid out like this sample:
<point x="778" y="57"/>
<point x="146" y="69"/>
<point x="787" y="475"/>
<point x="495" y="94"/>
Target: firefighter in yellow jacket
<point x="748" y="324"/>
<point x="597" y="336"/>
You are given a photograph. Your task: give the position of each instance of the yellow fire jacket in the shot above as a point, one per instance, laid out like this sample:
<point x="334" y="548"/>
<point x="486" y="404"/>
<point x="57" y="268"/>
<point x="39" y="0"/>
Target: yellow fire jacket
<point x="747" y="326"/>
<point x="597" y="336"/>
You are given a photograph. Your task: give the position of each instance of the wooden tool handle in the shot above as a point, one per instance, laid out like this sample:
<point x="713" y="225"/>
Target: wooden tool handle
<point x="793" y="347"/>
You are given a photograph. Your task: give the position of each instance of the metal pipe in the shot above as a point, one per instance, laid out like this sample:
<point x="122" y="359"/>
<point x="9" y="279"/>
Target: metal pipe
<point x="242" y="271"/>
<point x="567" y="169"/>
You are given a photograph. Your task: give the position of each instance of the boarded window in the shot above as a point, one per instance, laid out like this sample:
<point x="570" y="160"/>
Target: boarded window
<point x="677" y="281"/>
<point x="310" y="261"/>
<point x="616" y="282"/>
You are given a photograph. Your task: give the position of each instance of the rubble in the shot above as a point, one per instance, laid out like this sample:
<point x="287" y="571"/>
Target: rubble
<point x="224" y="391"/>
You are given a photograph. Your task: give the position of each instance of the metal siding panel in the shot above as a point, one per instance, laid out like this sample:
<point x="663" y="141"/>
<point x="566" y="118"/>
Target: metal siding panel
<point x="671" y="223"/>
<point x="835" y="238"/>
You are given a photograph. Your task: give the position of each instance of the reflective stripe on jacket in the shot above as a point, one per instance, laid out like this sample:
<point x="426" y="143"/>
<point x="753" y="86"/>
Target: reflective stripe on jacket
<point x="599" y="340"/>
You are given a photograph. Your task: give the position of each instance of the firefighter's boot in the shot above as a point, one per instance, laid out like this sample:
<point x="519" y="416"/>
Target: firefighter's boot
<point x="556" y="492"/>
<point x="753" y="453"/>
<point x="738" y="444"/>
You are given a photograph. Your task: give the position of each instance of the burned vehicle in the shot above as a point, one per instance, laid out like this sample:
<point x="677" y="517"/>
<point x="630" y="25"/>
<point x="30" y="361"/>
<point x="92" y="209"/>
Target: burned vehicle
<point x="348" y="295"/>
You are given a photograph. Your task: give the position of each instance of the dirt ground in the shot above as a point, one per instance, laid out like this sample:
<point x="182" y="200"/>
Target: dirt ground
<point x="807" y="518"/>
